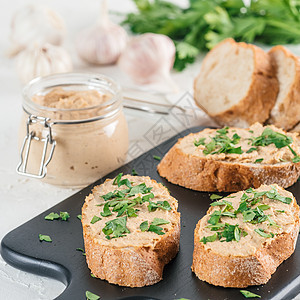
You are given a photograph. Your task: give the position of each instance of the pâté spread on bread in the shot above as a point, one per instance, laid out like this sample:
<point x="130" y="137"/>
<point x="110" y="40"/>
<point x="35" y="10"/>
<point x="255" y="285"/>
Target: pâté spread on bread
<point x="245" y="236"/>
<point x="131" y="229"/>
<point x="80" y="118"/>
<point x="231" y="159"/>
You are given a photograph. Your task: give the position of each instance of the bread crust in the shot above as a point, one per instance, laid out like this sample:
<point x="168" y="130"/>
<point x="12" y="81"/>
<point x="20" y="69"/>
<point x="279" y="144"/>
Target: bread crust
<point x="288" y="114"/>
<point x="210" y="175"/>
<point x="243" y="271"/>
<point x="261" y="96"/>
<point x="130" y="265"/>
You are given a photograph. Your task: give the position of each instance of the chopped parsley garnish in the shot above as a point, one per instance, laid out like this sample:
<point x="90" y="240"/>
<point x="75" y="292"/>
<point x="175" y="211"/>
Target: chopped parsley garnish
<point x="106" y="211"/>
<point x="159" y="221"/>
<point x="79" y="217"/>
<point x="209" y="239"/>
<point x="92" y="275"/>
<point x="81" y="250"/>
<point x="91" y="296"/>
<point x="221" y="143"/>
<point x="44" y="237"/>
<point x="156" y="157"/>
<point x="156" y="229"/>
<point x="116" y="228"/>
<point x="95" y="219"/>
<point x="144" y="226"/>
<point x="64" y="215"/>
<point x="248" y="294"/>
<point x="52" y="216"/>
<point x="280" y="211"/>
<point x="264" y="234"/>
<point x="55" y="216"/>
<point x="228" y="204"/>
<point x="201" y="141"/>
<point x="165" y="205"/>
<point x="215" y="197"/>
<point x="280" y="140"/>
<point x="258" y="160"/>
<point x="251" y="150"/>
<point x="229" y="233"/>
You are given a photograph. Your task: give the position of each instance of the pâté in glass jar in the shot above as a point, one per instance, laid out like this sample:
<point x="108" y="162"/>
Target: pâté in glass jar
<point x="73" y="129"/>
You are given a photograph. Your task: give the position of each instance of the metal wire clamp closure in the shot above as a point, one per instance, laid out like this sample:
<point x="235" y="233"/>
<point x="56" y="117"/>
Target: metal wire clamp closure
<point x="22" y="166"/>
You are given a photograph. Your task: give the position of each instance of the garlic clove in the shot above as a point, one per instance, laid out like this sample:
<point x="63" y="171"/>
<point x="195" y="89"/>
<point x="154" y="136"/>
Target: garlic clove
<point x="42" y="60"/>
<point x="149" y="58"/>
<point x="103" y="43"/>
<point x="35" y="23"/>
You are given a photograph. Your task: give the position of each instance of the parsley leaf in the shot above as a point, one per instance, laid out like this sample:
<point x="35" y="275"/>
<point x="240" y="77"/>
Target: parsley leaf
<point x="52" y="216"/>
<point x="159" y="221"/>
<point x="258" y="160"/>
<point x="144" y="226"/>
<point x="251" y="150"/>
<point x="116" y="228"/>
<point x="106" y="211"/>
<point x="64" y="215"/>
<point x="209" y="239"/>
<point x="214" y="217"/>
<point x="90" y="296"/>
<point x="95" y="219"/>
<point x="156" y="229"/>
<point x="201" y="141"/>
<point x="248" y="294"/>
<point x="262" y="233"/>
<point x="215" y="197"/>
<point x="79" y="217"/>
<point x="165" y="205"/>
<point x="44" y="237"/>
<point x="156" y="157"/>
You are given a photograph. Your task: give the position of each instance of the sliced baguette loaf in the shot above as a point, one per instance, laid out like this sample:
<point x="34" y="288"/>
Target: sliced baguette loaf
<point x="236" y="85"/>
<point x="245" y="236"/>
<point x="131" y="230"/>
<point x="286" y="111"/>
<point x="232" y="159"/>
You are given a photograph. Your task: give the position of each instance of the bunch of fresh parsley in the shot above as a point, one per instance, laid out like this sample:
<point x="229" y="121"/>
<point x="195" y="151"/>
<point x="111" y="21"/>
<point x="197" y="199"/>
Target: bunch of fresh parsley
<point x="207" y="22"/>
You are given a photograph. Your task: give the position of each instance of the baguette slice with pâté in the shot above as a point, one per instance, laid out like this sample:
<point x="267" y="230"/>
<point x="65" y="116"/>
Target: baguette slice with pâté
<point x="233" y="159"/>
<point x="245" y="236"/>
<point x="286" y="111"/>
<point x="131" y="230"/>
<point x="237" y="84"/>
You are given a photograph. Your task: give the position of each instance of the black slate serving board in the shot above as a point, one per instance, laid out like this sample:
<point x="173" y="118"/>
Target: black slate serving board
<point x="22" y="249"/>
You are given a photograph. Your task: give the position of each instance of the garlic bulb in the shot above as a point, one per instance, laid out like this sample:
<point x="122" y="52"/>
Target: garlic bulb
<point x="35" y="23"/>
<point x="149" y="58"/>
<point x="102" y="43"/>
<point x="42" y="60"/>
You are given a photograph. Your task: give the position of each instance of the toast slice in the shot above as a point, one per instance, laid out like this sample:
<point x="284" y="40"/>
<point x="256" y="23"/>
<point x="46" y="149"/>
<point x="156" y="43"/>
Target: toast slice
<point x="236" y="85"/>
<point x="245" y="236"/>
<point x="131" y="230"/>
<point x="286" y="111"/>
<point x="233" y="159"/>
